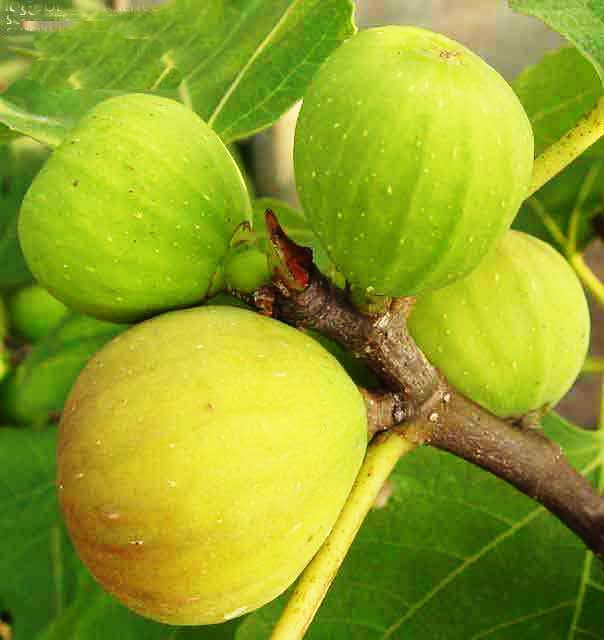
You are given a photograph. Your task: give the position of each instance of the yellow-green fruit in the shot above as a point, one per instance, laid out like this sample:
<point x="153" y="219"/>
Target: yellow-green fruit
<point x="134" y="211"/>
<point x="412" y="156"/>
<point x="34" y="312"/>
<point x="513" y="335"/>
<point x="203" y="457"/>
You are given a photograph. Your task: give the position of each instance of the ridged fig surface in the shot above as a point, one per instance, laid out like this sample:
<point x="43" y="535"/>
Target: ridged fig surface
<point x="412" y="156"/>
<point x="513" y="335"/>
<point x="134" y="211"/>
<point x="203" y="457"/>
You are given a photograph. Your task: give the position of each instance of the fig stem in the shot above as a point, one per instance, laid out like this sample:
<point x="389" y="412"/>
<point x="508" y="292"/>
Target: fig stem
<point x="382" y="456"/>
<point x="434" y="412"/>
<point x="589" y="279"/>
<point x="593" y="365"/>
<point x="600" y="424"/>
<point x="560" y="154"/>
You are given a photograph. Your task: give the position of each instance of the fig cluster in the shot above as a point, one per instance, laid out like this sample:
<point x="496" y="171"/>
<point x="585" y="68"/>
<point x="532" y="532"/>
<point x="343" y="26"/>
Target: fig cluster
<point x="205" y="453"/>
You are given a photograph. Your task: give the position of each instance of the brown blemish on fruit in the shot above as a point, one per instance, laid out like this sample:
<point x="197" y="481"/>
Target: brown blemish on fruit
<point x="450" y="56"/>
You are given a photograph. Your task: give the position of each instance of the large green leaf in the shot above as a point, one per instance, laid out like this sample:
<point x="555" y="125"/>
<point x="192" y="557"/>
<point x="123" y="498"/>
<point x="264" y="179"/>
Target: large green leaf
<point x="556" y="93"/>
<point x="94" y="615"/>
<point x="581" y="21"/>
<point x="459" y="555"/>
<point x="36" y="566"/>
<point x="41" y="113"/>
<point x="239" y="63"/>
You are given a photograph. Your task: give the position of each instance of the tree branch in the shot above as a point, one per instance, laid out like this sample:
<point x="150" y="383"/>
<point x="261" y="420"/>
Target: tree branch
<point x="416" y="393"/>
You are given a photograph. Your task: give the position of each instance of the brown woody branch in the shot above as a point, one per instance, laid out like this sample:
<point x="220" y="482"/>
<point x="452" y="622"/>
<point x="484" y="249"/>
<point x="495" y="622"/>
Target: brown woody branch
<point x="415" y="391"/>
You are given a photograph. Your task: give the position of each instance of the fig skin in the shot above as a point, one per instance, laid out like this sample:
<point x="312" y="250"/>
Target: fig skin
<point x="412" y="157"/>
<point x="203" y="457"/>
<point x="133" y="212"/>
<point x="513" y="335"/>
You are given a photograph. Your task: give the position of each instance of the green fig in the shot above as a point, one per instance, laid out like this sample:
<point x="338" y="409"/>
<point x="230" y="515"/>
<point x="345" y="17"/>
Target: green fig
<point x="33" y="312"/>
<point x="412" y="157"/>
<point x="133" y="213"/>
<point x="203" y="458"/>
<point x="513" y="335"/>
<point x="35" y="391"/>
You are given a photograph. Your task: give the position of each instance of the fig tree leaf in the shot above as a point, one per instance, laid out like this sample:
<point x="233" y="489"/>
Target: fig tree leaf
<point x="19" y="163"/>
<point x="556" y="93"/>
<point x="95" y="615"/>
<point x="239" y="63"/>
<point x="580" y="21"/>
<point x="457" y="554"/>
<point x="49" y="131"/>
<point x="27" y="108"/>
<point x="36" y="566"/>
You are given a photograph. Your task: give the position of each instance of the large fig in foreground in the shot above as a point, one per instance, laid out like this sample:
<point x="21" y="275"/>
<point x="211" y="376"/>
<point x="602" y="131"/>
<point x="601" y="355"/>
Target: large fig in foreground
<point x="134" y="211"/>
<point x="203" y="458"/>
<point x="513" y="335"/>
<point x="412" y="157"/>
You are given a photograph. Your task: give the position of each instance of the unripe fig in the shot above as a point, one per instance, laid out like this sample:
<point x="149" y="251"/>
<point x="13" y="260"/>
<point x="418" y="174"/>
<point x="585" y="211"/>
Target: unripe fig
<point x="513" y="335"/>
<point x="35" y="391"/>
<point x="412" y="157"/>
<point x="34" y="312"/>
<point x="134" y="211"/>
<point x="203" y="458"/>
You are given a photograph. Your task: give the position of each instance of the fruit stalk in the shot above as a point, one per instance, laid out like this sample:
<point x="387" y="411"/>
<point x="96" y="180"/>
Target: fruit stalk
<point x="560" y="154"/>
<point x="382" y="456"/>
<point x="440" y="416"/>
<point x="589" y="279"/>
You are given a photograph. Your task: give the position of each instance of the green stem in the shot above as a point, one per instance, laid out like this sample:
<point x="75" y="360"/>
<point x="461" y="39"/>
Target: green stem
<point x="589" y="279"/>
<point x="600" y="424"/>
<point x="579" y="206"/>
<point x="555" y="158"/>
<point x="312" y="587"/>
<point x="548" y="222"/>
<point x="593" y="365"/>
